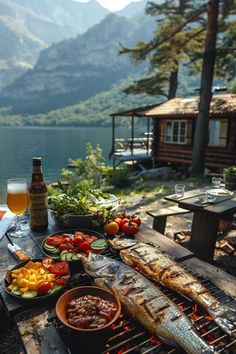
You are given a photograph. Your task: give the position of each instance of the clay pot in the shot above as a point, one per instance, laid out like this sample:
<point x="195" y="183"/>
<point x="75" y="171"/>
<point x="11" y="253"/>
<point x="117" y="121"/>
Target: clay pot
<point x="230" y="183"/>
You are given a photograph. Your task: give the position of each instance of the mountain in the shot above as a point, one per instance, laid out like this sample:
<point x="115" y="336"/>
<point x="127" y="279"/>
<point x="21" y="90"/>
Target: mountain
<point x="133" y="9"/>
<point x="77" y="69"/>
<point x="28" y="26"/>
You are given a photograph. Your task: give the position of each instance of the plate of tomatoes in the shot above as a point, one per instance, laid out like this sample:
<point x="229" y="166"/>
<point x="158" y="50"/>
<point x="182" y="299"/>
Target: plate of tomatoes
<point x="70" y="245"/>
<point x="37" y="279"/>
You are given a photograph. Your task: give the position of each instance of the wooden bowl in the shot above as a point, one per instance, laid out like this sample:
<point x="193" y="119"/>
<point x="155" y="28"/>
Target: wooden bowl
<point x="74" y="293"/>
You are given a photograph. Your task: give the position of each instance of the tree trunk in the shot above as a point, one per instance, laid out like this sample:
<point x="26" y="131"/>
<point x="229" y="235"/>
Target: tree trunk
<point x="201" y="130"/>
<point x="173" y="84"/>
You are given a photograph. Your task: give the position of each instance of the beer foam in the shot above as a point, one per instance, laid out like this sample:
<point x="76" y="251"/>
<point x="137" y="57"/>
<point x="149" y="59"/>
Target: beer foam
<point x="17" y="188"/>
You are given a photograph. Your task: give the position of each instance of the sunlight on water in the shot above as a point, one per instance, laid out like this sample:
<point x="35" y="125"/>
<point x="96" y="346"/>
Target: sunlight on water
<point x="55" y="145"/>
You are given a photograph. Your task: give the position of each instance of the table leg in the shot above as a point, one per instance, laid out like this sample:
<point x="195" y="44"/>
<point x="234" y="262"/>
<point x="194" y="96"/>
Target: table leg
<point x="159" y="224"/>
<point x="203" y="235"/>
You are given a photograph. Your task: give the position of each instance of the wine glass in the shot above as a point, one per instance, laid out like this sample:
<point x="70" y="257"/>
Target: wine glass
<point x="17" y="202"/>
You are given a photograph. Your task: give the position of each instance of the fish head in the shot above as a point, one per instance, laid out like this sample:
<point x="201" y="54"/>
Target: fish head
<point x="99" y="266"/>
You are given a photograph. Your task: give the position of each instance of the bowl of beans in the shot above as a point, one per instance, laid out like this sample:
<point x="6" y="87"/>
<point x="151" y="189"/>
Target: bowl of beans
<point x="88" y="309"/>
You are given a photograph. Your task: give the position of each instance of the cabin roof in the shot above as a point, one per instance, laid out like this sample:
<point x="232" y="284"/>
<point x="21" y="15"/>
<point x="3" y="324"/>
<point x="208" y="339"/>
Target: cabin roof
<point x="221" y="105"/>
<point x="137" y="111"/>
<point x="186" y="107"/>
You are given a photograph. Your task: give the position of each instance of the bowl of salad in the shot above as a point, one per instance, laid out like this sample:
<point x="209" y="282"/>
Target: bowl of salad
<point x="80" y="206"/>
<point x="37" y="279"/>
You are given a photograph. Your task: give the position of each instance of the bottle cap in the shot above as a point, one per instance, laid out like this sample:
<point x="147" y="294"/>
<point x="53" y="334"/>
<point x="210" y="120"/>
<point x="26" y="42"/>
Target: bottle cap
<point x="37" y="161"/>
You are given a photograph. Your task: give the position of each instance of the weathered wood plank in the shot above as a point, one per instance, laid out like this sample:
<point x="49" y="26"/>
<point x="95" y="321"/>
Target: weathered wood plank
<point x="146" y="234"/>
<point x="220" y="278"/>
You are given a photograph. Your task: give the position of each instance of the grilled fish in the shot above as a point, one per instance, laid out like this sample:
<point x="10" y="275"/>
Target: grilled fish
<point x="163" y="269"/>
<point x="145" y="302"/>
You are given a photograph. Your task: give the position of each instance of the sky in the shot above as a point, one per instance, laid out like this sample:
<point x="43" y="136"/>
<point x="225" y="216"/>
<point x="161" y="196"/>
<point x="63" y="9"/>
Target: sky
<point x="113" y="5"/>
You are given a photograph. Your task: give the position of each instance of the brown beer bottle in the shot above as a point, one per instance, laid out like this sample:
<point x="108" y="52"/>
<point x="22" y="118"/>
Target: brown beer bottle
<point x="38" y="198"/>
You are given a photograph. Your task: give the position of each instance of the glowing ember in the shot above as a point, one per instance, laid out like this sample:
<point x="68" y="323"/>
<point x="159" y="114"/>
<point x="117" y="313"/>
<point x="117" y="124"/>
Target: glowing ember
<point x="127" y="328"/>
<point x="208" y="318"/>
<point x="155" y="340"/>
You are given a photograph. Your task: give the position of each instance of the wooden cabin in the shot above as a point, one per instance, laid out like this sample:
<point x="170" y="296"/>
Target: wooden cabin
<point x="173" y="124"/>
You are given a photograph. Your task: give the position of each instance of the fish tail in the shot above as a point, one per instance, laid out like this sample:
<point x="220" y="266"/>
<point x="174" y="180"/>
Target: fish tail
<point x="225" y="317"/>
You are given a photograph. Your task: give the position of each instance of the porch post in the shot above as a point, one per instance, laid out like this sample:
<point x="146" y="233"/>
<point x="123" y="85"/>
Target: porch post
<point x="148" y="131"/>
<point x="132" y="134"/>
<point x="113" y="141"/>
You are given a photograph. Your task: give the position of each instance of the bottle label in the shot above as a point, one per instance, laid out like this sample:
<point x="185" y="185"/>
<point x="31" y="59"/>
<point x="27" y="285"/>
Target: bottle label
<point x="38" y="209"/>
<point x="37" y="169"/>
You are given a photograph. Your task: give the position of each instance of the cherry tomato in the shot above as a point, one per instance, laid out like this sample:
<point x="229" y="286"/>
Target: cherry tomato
<point x="60" y="268"/>
<point x="124" y="220"/>
<point x="130" y="228"/>
<point x="44" y="287"/>
<point x="60" y="281"/>
<point x="136" y="219"/>
<point x="47" y="262"/>
<point x="78" y="240"/>
<point x="111" y="228"/>
<point x="118" y="221"/>
<point x="64" y="246"/>
<point x="84" y="246"/>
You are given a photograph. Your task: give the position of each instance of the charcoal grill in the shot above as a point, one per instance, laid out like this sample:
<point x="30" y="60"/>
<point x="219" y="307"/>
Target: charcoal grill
<point x="127" y="336"/>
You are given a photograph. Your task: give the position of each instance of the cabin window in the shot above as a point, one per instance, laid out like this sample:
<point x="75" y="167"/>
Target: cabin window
<point x="218" y="132"/>
<point x="175" y="132"/>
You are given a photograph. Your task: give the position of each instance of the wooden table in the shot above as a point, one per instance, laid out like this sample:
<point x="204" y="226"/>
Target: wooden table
<point x="31" y="320"/>
<point x="206" y="218"/>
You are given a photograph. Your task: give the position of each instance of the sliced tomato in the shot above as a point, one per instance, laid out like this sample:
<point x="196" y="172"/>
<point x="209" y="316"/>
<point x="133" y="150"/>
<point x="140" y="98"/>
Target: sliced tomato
<point x="89" y="238"/>
<point x="60" y="268"/>
<point x="47" y="262"/>
<point x="55" y="240"/>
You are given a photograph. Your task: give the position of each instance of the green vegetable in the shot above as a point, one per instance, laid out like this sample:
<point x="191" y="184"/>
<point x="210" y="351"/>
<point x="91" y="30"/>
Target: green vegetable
<point x="98" y="244"/>
<point x="29" y="294"/>
<point x="80" y="200"/>
<point x="55" y="288"/>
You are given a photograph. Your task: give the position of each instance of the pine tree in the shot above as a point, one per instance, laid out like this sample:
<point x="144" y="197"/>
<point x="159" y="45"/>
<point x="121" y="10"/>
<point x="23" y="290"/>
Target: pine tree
<point x="180" y="38"/>
<point x="207" y="74"/>
<point x="179" y="33"/>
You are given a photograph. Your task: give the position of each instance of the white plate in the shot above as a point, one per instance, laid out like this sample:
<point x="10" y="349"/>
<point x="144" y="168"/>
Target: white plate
<point x="220" y="192"/>
<point x="109" y="203"/>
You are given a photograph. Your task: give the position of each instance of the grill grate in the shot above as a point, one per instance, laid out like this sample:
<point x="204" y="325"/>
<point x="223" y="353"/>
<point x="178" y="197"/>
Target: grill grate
<point x="127" y="336"/>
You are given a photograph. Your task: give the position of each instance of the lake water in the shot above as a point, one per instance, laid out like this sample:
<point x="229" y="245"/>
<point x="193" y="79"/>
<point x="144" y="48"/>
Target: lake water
<point x="55" y="145"/>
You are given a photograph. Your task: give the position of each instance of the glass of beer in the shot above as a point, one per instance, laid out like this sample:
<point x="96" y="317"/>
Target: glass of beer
<point x="17" y="202"/>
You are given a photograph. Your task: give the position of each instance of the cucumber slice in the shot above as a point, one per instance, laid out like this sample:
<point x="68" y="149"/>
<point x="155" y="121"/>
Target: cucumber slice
<point x="16" y="291"/>
<point x="75" y="257"/>
<point x="63" y="256"/>
<point x="69" y="256"/>
<point x="55" y="288"/>
<point x="48" y="247"/>
<point x="53" y="249"/>
<point x="63" y="252"/>
<point x="98" y="244"/>
<point x="29" y="294"/>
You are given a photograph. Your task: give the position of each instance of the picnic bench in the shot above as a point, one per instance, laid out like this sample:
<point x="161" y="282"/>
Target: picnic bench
<point x="206" y="220"/>
<point x="160" y="216"/>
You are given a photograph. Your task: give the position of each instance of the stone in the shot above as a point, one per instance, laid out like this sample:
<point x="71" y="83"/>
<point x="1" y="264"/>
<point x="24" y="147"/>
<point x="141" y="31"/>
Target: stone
<point x="179" y="237"/>
<point x="170" y="235"/>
